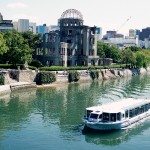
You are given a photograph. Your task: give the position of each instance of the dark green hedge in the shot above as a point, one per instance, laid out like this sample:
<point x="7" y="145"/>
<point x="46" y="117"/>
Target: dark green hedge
<point x="94" y="74"/>
<point x="2" y="80"/>
<point x="45" y="78"/>
<point x="10" y="66"/>
<point x="36" y="64"/>
<point x="53" y="68"/>
<point x="32" y="68"/>
<point x="73" y="76"/>
<point x="60" y="68"/>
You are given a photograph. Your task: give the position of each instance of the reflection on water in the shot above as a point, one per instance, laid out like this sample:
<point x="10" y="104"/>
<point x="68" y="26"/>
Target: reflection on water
<point x="115" y="137"/>
<point x="55" y="115"/>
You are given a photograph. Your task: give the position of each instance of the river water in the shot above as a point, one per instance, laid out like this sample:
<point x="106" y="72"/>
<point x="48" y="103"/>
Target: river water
<point x="51" y="119"/>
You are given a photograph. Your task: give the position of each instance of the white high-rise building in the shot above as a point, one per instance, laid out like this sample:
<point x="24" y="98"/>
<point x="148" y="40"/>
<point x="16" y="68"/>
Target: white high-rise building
<point x="23" y="25"/>
<point x="32" y="27"/>
<point x="15" y="25"/>
<point x="132" y="33"/>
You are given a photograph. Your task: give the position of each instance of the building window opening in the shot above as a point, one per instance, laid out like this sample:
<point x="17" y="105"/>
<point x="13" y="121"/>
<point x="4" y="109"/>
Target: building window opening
<point x="69" y="32"/>
<point x="68" y="63"/>
<point x="93" y="62"/>
<point x="69" y="41"/>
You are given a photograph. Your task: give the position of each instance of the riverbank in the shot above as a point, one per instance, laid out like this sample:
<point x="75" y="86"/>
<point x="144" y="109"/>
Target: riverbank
<point x="4" y="89"/>
<point x="26" y="79"/>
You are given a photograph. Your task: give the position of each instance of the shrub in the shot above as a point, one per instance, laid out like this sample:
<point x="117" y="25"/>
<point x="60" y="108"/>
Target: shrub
<point x="45" y="78"/>
<point x="94" y="74"/>
<point x="14" y="75"/>
<point x="32" y="67"/>
<point x="73" y="76"/>
<point x="61" y="68"/>
<point x="2" y="80"/>
<point x="36" y="63"/>
<point x="53" y="68"/>
<point x="8" y="66"/>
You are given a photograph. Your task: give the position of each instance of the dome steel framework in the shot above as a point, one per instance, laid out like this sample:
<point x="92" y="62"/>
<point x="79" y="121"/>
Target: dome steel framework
<point x="72" y="13"/>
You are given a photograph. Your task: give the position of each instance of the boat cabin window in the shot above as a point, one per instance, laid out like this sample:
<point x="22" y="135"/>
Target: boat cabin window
<point x="139" y="110"/>
<point x="88" y="112"/>
<point x="113" y="117"/>
<point x="94" y="116"/>
<point x="119" y="116"/>
<point x="131" y="113"/>
<point x="146" y="107"/>
<point x="126" y="114"/>
<point x="105" y="116"/>
<point x="100" y="116"/>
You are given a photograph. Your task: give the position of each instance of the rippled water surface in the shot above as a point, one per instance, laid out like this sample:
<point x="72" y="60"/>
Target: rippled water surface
<point x="51" y="119"/>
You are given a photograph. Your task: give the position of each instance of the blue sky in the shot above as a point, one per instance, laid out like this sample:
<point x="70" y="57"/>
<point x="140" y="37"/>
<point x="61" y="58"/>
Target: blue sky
<point x="108" y="14"/>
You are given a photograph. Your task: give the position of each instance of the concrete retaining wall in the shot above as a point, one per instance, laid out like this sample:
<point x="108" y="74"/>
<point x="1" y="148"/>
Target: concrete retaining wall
<point x="5" y="89"/>
<point x="27" y="76"/>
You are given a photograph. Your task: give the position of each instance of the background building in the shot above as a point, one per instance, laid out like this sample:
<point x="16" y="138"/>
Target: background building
<point x="99" y="33"/>
<point x="5" y="24"/>
<point x="112" y="34"/>
<point x="32" y="27"/>
<point x="145" y="33"/>
<point x="147" y="43"/>
<point x="54" y="28"/>
<point x="23" y="25"/>
<point x="132" y="33"/>
<point x="42" y="29"/>
<point x="15" y="25"/>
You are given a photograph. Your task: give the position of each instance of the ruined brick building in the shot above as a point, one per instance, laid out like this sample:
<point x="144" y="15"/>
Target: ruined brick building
<point x="74" y="44"/>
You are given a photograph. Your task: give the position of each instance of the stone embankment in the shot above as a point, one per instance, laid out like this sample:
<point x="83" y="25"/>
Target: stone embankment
<point x="22" y="79"/>
<point x="104" y="74"/>
<point x="17" y="79"/>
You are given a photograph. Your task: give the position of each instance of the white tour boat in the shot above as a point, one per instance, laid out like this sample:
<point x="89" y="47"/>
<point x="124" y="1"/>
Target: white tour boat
<point x="117" y="115"/>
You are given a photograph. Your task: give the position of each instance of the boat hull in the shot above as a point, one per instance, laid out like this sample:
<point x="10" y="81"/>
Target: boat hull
<point x="103" y="126"/>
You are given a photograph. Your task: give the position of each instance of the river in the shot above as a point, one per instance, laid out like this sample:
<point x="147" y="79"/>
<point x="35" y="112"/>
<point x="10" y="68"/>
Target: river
<point x="51" y="118"/>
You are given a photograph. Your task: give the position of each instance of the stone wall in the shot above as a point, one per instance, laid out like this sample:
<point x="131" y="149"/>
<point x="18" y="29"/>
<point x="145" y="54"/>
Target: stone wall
<point x="27" y="76"/>
<point x="4" y="89"/>
<point x="104" y="74"/>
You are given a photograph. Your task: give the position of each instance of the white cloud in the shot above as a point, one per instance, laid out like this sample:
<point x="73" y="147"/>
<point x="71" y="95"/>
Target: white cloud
<point x="17" y="5"/>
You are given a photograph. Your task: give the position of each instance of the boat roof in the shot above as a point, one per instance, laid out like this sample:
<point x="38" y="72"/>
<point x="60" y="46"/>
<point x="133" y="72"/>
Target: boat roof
<point x="119" y="106"/>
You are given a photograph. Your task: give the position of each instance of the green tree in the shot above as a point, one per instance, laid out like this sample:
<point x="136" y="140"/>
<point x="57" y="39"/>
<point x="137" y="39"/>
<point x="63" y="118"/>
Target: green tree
<point x="3" y="47"/>
<point x="19" y="50"/>
<point x="108" y="51"/>
<point x="128" y="57"/>
<point x="101" y="49"/>
<point x="141" y="60"/>
<point x="33" y="40"/>
<point x="135" y="48"/>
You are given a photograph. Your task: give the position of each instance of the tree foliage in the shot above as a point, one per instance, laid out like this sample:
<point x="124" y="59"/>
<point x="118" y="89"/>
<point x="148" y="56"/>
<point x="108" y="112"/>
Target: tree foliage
<point x="3" y="47"/>
<point x="135" y="48"/>
<point x="18" y="49"/>
<point x="128" y="57"/>
<point x="33" y="40"/>
<point x="108" y="51"/>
